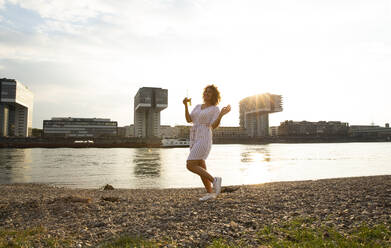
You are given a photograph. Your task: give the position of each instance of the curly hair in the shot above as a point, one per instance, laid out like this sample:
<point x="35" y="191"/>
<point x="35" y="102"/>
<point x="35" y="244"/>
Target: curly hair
<point x="216" y="94"/>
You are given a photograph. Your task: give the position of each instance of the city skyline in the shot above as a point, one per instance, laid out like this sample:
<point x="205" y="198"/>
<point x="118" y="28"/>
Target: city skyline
<point x="330" y="61"/>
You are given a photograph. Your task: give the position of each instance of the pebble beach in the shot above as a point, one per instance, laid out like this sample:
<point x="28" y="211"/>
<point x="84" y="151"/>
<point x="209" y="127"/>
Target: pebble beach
<point x="89" y="217"/>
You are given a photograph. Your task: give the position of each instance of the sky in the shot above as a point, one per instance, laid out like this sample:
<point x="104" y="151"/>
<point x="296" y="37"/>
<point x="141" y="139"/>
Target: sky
<point x="329" y="59"/>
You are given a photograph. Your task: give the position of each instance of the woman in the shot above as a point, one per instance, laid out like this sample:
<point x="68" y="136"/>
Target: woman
<point x="204" y="117"/>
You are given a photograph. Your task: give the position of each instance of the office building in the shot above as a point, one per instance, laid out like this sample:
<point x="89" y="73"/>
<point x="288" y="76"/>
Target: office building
<point x="126" y="131"/>
<point x="183" y="131"/>
<point x="16" y="109"/>
<point x="273" y="131"/>
<point x="148" y="103"/>
<point x="254" y="113"/>
<point x="317" y="129"/>
<point x="167" y="131"/>
<point x="229" y="132"/>
<point x="64" y="127"/>
<point x="370" y="131"/>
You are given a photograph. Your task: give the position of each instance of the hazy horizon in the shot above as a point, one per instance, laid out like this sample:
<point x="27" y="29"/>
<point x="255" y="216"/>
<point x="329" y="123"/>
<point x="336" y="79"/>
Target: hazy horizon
<point x="330" y="60"/>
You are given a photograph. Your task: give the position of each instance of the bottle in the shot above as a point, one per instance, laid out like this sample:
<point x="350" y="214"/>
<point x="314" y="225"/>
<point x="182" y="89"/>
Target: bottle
<point x="187" y="96"/>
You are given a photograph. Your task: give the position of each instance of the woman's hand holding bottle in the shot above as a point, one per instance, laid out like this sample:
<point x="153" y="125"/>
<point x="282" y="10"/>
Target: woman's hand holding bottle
<point x="187" y="100"/>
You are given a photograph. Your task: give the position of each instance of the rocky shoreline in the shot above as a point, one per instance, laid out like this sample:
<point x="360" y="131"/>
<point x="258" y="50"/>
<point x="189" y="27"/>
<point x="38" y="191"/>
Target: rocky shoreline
<point x="89" y="217"/>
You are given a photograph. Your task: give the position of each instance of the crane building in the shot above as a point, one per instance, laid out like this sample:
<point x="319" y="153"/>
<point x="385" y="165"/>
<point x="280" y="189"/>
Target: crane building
<point x="148" y="103"/>
<point x="254" y="113"/>
<point x="16" y="109"/>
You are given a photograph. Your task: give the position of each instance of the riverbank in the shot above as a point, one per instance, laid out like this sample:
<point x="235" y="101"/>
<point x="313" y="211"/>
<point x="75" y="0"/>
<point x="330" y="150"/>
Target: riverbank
<point x="114" y="142"/>
<point x="108" y="142"/>
<point x="86" y="218"/>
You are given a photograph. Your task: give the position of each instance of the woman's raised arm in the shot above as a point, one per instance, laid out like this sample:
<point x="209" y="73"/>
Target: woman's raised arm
<point x="187" y="115"/>
<point x="223" y="112"/>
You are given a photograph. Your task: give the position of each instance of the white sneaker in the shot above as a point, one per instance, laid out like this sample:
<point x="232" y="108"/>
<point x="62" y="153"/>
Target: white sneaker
<point x="217" y="185"/>
<point x="208" y="196"/>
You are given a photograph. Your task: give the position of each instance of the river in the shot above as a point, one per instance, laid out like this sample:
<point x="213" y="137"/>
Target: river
<point x="165" y="167"/>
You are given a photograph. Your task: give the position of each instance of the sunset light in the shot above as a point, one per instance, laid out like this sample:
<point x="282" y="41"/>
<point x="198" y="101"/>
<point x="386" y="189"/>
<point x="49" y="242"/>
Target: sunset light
<point x="195" y="123"/>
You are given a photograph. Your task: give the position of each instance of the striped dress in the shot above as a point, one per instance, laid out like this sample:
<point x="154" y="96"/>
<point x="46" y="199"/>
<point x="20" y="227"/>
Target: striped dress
<point x="201" y="131"/>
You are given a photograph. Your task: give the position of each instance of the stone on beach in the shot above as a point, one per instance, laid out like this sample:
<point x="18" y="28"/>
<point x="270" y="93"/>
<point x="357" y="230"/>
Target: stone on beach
<point x="108" y="187"/>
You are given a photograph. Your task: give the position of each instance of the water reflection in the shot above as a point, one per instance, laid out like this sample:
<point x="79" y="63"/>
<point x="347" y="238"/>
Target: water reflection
<point x="147" y="163"/>
<point x="14" y="165"/>
<point x="253" y="155"/>
<point x="255" y="164"/>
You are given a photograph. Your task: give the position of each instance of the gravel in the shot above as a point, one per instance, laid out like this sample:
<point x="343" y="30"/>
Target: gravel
<point x="90" y="217"/>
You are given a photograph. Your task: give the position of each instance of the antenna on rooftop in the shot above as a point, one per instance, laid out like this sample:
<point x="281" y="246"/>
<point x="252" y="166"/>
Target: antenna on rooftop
<point x="372" y="123"/>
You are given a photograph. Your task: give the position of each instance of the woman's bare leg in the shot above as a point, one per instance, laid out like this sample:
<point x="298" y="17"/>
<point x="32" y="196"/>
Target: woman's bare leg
<point x="205" y="181"/>
<point x="195" y="166"/>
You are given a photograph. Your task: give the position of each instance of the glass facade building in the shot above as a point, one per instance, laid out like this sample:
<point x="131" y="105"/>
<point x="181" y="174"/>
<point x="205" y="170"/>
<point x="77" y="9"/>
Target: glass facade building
<point x="79" y="127"/>
<point x="16" y="109"/>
